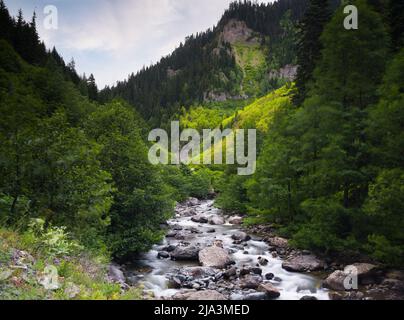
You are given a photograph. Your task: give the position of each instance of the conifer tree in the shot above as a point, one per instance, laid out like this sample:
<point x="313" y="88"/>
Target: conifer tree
<point x="396" y="17"/>
<point x="309" y="46"/>
<point x="92" y="88"/>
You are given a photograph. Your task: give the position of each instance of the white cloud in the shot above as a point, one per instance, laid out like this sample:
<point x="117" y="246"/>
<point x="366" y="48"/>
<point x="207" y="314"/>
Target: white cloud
<point x="112" y="38"/>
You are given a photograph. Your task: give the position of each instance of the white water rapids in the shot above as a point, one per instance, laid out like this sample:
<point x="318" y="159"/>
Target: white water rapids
<point x="293" y="286"/>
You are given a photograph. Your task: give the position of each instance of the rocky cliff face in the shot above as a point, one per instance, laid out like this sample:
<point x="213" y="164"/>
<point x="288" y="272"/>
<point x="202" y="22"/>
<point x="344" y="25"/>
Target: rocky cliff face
<point x="237" y="31"/>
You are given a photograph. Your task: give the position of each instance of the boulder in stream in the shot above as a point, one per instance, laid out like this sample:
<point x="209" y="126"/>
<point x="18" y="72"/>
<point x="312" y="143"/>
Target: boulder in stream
<point x="185" y="253"/>
<point x="303" y="263"/>
<point x="216" y="220"/>
<point x="200" y="219"/>
<point x="236" y="220"/>
<point x="214" y="257"/>
<point x="250" y="281"/>
<point x="336" y="281"/>
<point x="240" y="236"/>
<point x="366" y="273"/>
<point x="270" y="290"/>
<point x="207" y="295"/>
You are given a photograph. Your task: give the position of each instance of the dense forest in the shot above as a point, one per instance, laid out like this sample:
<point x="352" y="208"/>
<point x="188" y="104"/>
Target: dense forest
<point x="64" y="157"/>
<point x="330" y="173"/>
<point x="204" y="63"/>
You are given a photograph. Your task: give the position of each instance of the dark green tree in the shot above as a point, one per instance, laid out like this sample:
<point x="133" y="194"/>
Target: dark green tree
<point x="92" y="88"/>
<point x="309" y="45"/>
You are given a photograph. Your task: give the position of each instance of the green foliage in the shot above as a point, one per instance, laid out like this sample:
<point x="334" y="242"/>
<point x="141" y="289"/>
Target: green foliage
<point x="75" y="164"/>
<point x="79" y="276"/>
<point x="309" y="45"/>
<point x="200" y="118"/>
<point x="233" y="195"/>
<point x="382" y="250"/>
<point x="385" y="203"/>
<point x="54" y="242"/>
<point x="331" y="171"/>
<point x="252" y="60"/>
<point x="326" y="228"/>
<point x="142" y="200"/>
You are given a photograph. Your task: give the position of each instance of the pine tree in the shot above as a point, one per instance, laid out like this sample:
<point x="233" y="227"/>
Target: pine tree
<point x="309" y="46"/>
<point x="6" y="23"/>
<point x="396" y="17"/>
<point x="92" y="88"/>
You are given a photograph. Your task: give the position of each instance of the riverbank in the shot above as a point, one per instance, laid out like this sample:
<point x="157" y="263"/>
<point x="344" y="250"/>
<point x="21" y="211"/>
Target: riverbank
<point x="30" y="271"/>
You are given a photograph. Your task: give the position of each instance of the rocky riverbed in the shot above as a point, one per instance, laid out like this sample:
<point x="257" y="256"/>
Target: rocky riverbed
<point x="208" y="256"/>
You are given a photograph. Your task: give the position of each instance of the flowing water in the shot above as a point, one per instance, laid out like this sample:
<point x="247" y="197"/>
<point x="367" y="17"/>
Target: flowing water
<point x="292" y="286"/>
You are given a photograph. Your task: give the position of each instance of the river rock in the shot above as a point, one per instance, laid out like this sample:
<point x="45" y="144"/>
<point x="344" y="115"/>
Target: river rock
<point x="256" y="270"/>
<point x="366" y="272"/>
<point x="194" y="230"/>
<point x="232" y="272"/>
<point x="255" y="296"/>
<point x="198" y="272"/>
<point x="269" y="276"/>
<point x="211" y="230"/>
<point x="169" y="248"/>
<point x="236" y="220"/>
<point x="250" y="281"/>
<point x="207" y="295"/>
<point x="163" y="255"/>
<point x="244" y="271"/>
<point x="308" y="298"/>
<point x="394" y="284"/>
<point x="192" y="202"/>
<point x="181" y="235"/>
<point x="216" y="220"/>
<point x="200" y="219"/>
<point x="366" y="275"/>
<point x="214" y="257"/>
<point x="171" y="234"/>
<point x="277" y="242"/>
<point x="335" y="281"/>
<point x="240" y="236"/>
<point x="303" y="263"/>
<point x="185" y="253"/>
<point x="186" y="212"/>
<point x="115" y="273"/>
<point x="262" y="261"/>
<point x="270" y="290"/>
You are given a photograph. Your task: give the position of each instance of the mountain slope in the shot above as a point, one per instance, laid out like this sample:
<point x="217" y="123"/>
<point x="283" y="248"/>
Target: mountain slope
<point x="239" y="58"/>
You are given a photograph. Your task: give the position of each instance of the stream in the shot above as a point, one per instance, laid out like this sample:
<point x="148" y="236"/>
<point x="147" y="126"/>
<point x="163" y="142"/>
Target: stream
<point x="164" y="277"/>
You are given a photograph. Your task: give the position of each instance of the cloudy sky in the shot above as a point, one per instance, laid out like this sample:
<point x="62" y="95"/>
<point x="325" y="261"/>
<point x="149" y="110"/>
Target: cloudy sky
<point x="112" y="38"/>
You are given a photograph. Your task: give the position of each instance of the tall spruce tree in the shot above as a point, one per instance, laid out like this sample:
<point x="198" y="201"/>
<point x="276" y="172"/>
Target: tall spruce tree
<point x="396" y="18"/>
<point x="6" y="23"/>
<point x="309" y="46"/>
<point x="92" y="88"/>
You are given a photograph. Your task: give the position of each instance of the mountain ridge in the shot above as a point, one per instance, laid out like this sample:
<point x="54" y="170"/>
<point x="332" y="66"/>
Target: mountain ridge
<point x="206" y="66"/>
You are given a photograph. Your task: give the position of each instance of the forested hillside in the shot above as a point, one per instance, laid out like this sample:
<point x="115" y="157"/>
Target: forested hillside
<point x="76" y="182"/>
<point x="250" y="52"/>
<point x="330" y="172"/>
<point x="73" y="162"/>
